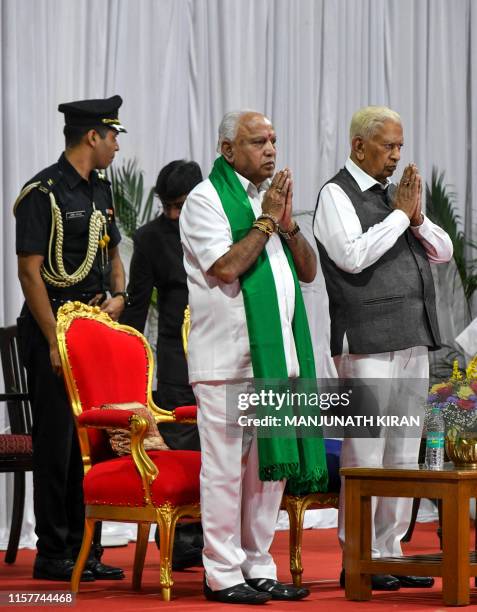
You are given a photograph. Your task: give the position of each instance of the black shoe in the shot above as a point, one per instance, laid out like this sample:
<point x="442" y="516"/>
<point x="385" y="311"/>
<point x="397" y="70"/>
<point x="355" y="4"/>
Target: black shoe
<point x="239" y="594"/>
<point x="278" y="590"/>
<point x="198" y="536"/>
<point x="379" y="582"/>
<point x="101" y="571"/>
<point x="416" y="582"/>
<point x="191" y="557"/>
<point x="58" y="569"/>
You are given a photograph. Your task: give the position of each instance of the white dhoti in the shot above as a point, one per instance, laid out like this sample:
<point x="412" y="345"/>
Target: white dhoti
<point x="239" y="511"/>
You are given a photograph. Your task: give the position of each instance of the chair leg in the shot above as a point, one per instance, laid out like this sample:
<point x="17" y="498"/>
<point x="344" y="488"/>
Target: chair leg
<point x="295" y="506"/>
<point x="17" y="516"/>
<point x="140" y="554"/>
<point x="415" y="509"/>
<point x="166" y="522"/>
<point x="83" y="554"/>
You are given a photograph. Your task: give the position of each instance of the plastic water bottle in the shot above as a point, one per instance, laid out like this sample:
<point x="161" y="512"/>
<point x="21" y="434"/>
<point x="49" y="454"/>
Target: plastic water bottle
<point x="435" y="440"/>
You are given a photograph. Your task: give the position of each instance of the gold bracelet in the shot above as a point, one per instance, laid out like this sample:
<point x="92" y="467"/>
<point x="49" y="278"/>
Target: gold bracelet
<point x="273" y="219"/>
<point x="262" y="227"/>
<point x="268" y="223"/>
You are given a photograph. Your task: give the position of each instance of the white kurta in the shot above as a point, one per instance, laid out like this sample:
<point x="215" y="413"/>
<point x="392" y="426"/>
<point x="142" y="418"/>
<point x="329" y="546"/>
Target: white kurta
<point x="339" y="230"/>
<point x="218" y="341"/>
<point x="239" y="512"/>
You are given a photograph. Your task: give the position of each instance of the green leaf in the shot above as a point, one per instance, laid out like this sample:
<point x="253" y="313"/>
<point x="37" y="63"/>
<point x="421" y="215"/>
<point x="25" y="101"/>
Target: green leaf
<point x="127" y="185"/>
<point x="440" y="209"/>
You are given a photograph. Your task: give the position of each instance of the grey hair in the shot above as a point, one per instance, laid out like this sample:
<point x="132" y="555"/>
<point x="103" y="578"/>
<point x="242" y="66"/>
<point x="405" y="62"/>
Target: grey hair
<point x="229" y="125"/>
<point x="367" y="120"/>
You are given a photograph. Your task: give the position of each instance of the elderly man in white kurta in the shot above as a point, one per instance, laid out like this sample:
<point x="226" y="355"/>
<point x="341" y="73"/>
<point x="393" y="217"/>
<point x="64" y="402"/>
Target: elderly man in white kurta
<point x="229" y="223"/>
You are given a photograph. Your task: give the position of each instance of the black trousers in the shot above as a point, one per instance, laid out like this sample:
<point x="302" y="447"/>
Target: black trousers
<point x="181" y="436"/>
<point x="57" y="465"/>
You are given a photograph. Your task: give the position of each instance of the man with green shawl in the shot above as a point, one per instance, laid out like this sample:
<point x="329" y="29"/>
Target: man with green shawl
<point x="244" y="256"/>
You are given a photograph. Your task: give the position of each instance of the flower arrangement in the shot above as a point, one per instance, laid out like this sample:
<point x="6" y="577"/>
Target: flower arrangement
<point x="457" y="399"/>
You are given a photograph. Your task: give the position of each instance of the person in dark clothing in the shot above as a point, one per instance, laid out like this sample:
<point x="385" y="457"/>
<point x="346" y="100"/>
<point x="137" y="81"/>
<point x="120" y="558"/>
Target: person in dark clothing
<point x="157" y="262"/>
<point x="67" y="247"/>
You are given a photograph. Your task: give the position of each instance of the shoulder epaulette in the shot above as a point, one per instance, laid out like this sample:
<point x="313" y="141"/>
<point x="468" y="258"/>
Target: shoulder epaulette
<point x="45" y="186"/>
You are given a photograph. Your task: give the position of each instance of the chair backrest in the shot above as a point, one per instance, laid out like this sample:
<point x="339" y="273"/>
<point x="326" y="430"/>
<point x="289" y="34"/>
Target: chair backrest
<point x="19" y="411"/>
<point x="103" y="363"/>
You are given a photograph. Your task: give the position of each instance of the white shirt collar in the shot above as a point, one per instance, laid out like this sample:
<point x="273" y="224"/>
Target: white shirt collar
<point x="250" y="187"/>
<point x="364" y="180"/>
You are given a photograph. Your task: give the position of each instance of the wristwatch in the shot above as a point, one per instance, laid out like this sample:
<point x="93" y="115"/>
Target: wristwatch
<point x="124" y="295"/>
<point x="291" y="233"/>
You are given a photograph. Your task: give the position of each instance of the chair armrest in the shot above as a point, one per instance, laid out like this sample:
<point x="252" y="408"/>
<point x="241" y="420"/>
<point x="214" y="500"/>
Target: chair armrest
<point x="181" y="414"/>
<point x="185" y="414"/>
<point x="97" y="417"/>
<point x="137" y="425"/>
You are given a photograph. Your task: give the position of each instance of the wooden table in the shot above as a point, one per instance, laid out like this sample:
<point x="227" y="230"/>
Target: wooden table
<point x="455" y="487"/>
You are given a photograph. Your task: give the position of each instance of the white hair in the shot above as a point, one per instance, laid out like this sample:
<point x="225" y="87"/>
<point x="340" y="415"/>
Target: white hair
<point x="229" y="125"/>
<point x="367" y="120"/>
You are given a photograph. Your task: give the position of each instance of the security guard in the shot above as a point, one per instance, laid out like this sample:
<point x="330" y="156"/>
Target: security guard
<point x="67" y="247"/>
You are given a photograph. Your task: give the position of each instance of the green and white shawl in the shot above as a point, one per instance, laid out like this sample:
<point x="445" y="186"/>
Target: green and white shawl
<point x="301" y="460"/>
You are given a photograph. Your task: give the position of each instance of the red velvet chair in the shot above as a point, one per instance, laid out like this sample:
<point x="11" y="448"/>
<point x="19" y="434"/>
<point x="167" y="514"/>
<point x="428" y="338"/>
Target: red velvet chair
<point x="108" y="363"/>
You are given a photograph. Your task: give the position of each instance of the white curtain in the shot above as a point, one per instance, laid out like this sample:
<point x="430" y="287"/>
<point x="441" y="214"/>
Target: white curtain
<point x="180" y="64"/>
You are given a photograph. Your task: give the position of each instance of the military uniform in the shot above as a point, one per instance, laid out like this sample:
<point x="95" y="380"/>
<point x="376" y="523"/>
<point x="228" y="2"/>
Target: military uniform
<point x="58" y="207"/>
<point x="58" y="470"/>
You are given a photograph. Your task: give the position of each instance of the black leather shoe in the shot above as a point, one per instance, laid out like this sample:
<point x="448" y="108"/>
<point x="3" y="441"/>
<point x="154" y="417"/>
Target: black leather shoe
<point x="57" y="569"/>
<point x="416" y="582"/>
<point x="239" y="594"/>
<point x="190" y="557"/>
<point x="379" y="582"/>
<point x="101" y="571"/>
<point x="278" y="590"/>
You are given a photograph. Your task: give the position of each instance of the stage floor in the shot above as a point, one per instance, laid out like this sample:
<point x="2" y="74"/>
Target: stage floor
<point x="321" y="562"/>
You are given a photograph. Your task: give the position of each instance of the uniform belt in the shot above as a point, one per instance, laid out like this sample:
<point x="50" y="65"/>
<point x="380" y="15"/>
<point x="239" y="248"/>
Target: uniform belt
<point x="61" y="298"/>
